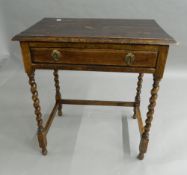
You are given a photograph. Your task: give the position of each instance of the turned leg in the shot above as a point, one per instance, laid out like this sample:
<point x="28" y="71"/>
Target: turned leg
<point x="138" y="92"/>
<point x="36" y="103"/>
<point x="58" y="95"/>
<point x="145" y="136"/>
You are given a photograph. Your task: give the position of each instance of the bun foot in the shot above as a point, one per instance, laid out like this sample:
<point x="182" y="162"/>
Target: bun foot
<point x="60" y="114"/>
<point x="44" y="152"/>
<point x="140" y="156"/>
<point x="134" y="116"/>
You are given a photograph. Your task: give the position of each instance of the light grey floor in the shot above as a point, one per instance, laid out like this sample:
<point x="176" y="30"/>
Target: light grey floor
<point x="91" y="140"/>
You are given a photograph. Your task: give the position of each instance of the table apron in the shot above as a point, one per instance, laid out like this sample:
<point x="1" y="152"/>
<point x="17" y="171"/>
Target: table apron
<point x="93" y="68"/>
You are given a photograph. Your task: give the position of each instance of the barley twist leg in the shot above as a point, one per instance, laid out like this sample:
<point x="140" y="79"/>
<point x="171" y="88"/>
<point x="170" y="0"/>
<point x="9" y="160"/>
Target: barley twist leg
<point x="138" y="92"/>
<point x="145" y="136"/>
<point x="36" y="103"/>
<point x="58" y="94"/>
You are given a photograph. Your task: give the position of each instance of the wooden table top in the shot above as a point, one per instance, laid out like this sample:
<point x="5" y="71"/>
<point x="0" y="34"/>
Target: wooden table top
<point x="135" y="31"/>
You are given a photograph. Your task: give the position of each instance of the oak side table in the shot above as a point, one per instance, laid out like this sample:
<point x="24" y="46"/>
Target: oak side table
<point x="110" y="45"/>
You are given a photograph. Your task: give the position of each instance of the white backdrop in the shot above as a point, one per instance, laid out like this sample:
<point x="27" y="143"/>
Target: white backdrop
<point x="92" y="140"/>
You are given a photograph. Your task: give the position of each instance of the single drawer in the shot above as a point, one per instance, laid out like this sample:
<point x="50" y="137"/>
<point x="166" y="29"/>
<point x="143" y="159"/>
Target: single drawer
<point x="132" y="58"/>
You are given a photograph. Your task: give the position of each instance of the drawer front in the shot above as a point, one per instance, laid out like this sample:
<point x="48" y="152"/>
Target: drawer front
<point x="132" y="58"/>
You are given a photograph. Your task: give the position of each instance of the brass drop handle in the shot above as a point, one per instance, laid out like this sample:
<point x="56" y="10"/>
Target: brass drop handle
<point x="56" y="55"/>
<point x="129" y="58"/>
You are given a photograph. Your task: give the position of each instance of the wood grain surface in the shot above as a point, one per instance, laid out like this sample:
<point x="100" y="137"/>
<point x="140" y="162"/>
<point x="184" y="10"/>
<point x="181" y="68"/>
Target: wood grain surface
<point x="96" y="30"/>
